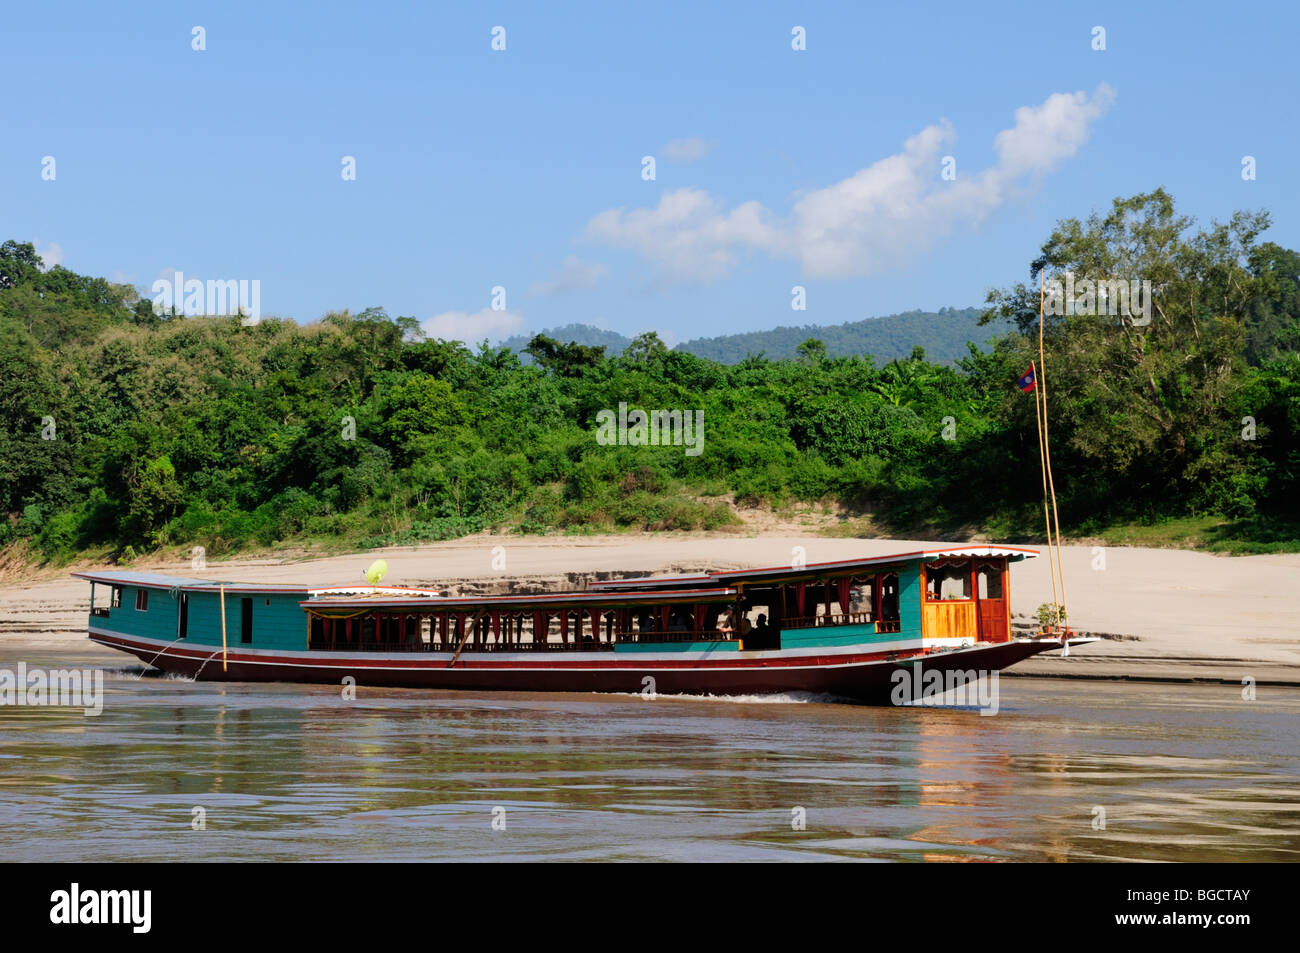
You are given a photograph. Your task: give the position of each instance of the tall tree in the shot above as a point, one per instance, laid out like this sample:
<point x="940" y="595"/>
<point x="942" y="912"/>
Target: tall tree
<point x="1145" y="404"/>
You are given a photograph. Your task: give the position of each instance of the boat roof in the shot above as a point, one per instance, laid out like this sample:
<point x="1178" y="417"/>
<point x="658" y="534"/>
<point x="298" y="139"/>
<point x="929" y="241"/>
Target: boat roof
<point x="557" y="599"/>
<point x="700" y="587"/>
<point x="840" y="567"/>
<point x="154" y="580"/>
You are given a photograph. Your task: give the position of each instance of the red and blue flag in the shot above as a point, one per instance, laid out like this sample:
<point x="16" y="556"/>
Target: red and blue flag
<point x="1028" y="380"/>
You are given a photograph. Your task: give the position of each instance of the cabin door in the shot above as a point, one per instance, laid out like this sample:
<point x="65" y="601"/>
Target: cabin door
<point x="990" y="593"/>
<point x="183" y="621"/>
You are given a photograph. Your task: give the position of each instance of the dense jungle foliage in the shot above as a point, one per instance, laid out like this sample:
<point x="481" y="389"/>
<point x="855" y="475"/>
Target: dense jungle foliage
<point x="124" y="430"/>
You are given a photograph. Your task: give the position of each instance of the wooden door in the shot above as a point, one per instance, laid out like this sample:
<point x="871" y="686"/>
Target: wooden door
<point x="990" y="595"/>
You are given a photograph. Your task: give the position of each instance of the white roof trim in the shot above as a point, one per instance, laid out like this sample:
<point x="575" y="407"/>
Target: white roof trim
<point x="981" y="551"/>
<point x="330" y="591"/>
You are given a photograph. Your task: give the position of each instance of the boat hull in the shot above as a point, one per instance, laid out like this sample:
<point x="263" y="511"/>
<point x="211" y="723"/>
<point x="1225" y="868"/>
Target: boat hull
<point x="862" y="676"/>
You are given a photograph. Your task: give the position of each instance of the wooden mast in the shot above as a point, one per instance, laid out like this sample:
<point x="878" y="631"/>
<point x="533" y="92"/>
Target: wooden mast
<point x="1045" y="451"/>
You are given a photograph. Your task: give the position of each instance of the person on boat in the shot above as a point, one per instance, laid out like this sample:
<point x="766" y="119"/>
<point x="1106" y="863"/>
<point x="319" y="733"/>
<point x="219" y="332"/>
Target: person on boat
<point x="744" y="627"/>
<point x="762" y="629"/>
<point x="725" y="625"/>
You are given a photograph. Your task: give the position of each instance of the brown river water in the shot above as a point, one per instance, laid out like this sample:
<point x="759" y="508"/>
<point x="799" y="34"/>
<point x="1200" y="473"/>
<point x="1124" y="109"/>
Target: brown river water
<point x="286" y="772"/>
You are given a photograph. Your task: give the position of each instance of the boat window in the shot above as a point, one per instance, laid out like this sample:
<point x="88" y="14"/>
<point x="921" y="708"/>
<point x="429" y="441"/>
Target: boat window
<point x="117" y="597"/>
<point x="889" y="607"/>
<point x="246" y="621"/>
<point x="950" y="581"/>
<point x="990" y="582"/>
<point x="142" y="600"/>
<point x="862" y="597"/>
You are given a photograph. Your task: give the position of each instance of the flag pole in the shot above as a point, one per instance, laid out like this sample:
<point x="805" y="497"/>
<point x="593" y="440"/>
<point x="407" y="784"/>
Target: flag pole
<point x="1041" y="380"/>
<point x="1042" y="466"/>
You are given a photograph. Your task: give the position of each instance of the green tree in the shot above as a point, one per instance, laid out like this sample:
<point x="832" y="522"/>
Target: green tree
<point x="1143" y="405"/>
<point x="646" y="348"/>
<point x="812" y="351"/>
<point x="567" y="360"/>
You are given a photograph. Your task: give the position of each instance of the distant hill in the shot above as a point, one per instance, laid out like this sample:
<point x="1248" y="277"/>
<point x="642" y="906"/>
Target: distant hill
<point x="612" y="341"/>
<point x="942" y="333"/>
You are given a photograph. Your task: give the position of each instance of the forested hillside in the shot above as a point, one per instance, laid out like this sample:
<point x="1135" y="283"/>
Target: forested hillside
<point x="945" y="334"/>
<point x="125" y="430"/>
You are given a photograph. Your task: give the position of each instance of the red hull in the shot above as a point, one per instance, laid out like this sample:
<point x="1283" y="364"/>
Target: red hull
<point x="864" y="677"/>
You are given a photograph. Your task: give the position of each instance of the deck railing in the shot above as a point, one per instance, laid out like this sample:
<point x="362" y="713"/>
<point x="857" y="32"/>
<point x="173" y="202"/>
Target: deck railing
<point x="323" y="645"/>
<point x="816" y="621"/>
<point x="584" y="644"/>
<point x="688" y="635"/>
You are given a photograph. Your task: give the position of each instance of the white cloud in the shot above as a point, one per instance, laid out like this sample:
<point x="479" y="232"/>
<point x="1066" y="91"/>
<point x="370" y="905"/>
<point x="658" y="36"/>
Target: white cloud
<point x="51" y="255"/>
<point x="472" y="328"/>
<point x="688" y="235"/>
<point x="576" y="275"/>
<point x="686" y="150"/>
<point x="1044" y="135"/>
<point x="868" y="222"/>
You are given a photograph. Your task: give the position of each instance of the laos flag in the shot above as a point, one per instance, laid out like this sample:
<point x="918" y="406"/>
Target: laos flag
<point x="1028" y="380"/>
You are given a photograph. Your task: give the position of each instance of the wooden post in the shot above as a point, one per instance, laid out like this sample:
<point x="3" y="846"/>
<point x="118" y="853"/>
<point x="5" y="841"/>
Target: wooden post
<point x="468" y="631"/>
<point x="223" y="627"/>
<point x="736" y="616"/>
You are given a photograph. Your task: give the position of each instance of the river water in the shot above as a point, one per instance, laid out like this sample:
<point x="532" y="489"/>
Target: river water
<point x="1066" y="770"/>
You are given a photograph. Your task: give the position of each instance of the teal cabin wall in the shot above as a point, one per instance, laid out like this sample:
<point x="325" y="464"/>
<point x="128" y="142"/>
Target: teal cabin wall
<point x="676" y="647"/>
<point x="835" y="635"/>
<point x="909" y="601"/>
<point x="156" y="622"/>
<point x="278" y="620"/>
<point x="909" y="619"/>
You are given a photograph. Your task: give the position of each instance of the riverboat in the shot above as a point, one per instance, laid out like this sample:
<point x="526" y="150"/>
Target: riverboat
<point x="841" y="629"/>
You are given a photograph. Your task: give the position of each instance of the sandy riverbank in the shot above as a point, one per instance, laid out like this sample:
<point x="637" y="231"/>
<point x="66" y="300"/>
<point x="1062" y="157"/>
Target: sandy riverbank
<point x="1171" y="614"/>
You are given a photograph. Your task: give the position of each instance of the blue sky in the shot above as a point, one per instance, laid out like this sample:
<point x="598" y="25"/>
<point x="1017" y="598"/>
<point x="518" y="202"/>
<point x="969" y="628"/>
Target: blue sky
<point x="522" y="168"/>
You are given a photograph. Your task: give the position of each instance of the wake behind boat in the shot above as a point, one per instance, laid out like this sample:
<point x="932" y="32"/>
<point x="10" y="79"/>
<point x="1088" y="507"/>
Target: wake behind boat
<point x="840" y="628"/>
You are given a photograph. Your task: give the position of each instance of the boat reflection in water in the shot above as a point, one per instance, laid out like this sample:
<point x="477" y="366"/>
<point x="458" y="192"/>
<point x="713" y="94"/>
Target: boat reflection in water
<point x="298" y="772"/>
